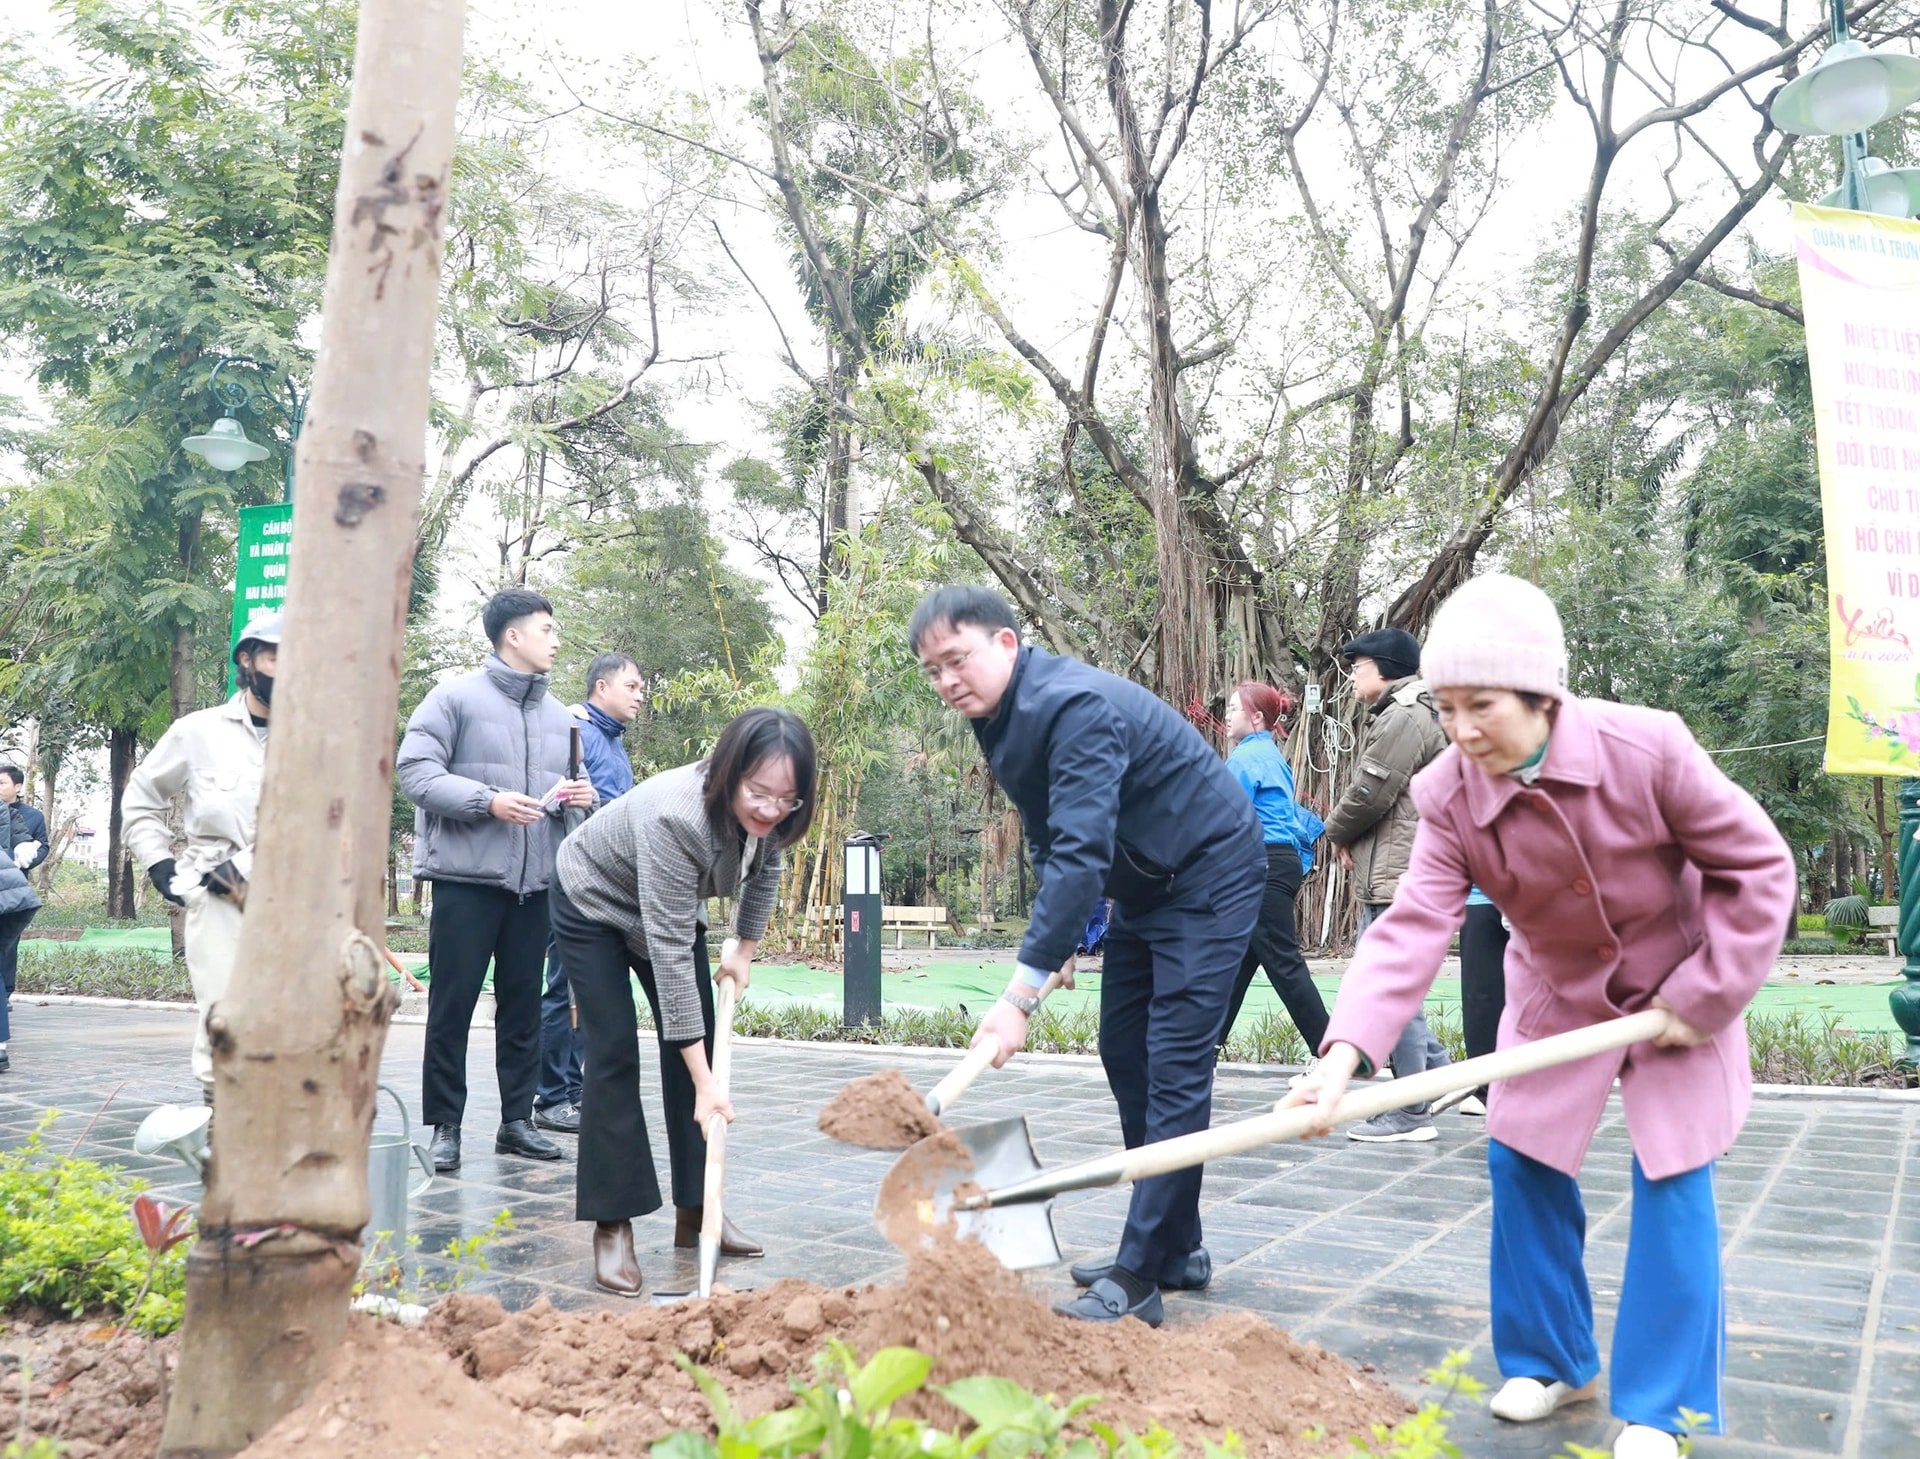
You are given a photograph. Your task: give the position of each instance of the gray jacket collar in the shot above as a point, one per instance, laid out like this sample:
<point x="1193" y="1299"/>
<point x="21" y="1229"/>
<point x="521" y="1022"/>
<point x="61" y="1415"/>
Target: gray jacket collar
<point x="518" y="685"/>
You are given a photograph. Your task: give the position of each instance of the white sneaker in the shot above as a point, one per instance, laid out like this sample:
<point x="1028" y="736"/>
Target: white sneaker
<point x="1394" y="1126"/>
<point x="1528" y="1400"/>
<point x="1473" y="1104"/>
<point x="1294" y="1081"/>
<point x="1637" y="1441"/>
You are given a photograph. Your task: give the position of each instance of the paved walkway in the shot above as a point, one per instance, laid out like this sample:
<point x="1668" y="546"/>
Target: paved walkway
<point x="1379" y="1253"/>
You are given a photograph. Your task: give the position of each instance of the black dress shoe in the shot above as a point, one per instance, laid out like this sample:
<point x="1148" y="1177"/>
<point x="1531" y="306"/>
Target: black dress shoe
<point x="733" y="1241"/>
<point x="1191" y="1273"/>
<point x="445" y="1152"/>
<point x="519" y="1137"/>
<point x="1106" y="1301"/>
<point x="563" y="1118"/>
<point x="5" y="1062"/>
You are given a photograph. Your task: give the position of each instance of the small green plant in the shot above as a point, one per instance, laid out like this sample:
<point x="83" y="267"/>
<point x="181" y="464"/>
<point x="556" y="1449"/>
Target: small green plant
<point x="847" y="1413"/>
<point x="1847" y="917"/>
<point x="398" y="1270"/>
<point x="161" y="1227"/>
<point x="66" y="1244"/>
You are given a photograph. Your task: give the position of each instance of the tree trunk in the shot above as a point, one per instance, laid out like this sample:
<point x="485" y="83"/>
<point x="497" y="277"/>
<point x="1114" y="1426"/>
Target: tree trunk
<point x="121" y="744"/>
<point x="297" y="1048"/>
<point x="1889" y="858"/>
<point x="180" y="671"/>
<point x="57" y="844"/>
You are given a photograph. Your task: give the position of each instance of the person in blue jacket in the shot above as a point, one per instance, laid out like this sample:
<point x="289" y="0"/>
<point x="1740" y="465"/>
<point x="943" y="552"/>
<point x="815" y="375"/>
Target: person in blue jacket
<point x="612" y="703"/>
<point x="1289" y="830"/>
<point x="1120" y="797"/>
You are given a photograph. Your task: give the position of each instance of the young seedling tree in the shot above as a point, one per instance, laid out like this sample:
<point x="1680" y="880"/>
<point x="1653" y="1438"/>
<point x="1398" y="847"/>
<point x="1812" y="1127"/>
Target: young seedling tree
<point x="297" y="1041"/>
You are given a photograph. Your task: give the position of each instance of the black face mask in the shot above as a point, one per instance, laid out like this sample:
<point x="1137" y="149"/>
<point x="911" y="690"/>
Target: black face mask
<point x="258" y="684"/>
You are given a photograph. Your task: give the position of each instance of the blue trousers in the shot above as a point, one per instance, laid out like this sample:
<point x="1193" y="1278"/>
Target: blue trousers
<point x="1669" y="1337"/>
<point x="1164" y="990"/>
<point x="560" y="1041"/>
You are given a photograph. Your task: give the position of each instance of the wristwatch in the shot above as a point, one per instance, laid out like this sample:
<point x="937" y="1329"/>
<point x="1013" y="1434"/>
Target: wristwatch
<point x="1027" y="1003"/>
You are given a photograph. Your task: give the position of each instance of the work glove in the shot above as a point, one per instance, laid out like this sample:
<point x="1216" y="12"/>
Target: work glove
<point x="226" y="881"/>
<point x="161" y="875"/>
<point x="24" y="853"/>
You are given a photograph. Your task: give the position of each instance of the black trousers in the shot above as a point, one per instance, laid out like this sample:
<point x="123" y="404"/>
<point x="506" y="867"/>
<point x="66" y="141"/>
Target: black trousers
<point x="1163" y="994"/>
<point x="615" y="1179"/>
<point x="1483" y="979"/>
<point x="12" y="924"/>
<point x="473" y="926"/>
<point x="1275" y="946"/>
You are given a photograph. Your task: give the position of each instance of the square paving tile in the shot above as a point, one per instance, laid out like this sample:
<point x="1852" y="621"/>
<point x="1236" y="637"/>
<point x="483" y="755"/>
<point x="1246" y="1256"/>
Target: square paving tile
<point x="1377" y="1252"/>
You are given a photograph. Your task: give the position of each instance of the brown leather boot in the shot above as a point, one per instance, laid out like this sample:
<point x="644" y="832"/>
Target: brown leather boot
<point x="615" y="1267"/>
<point x="733" y="1241"/>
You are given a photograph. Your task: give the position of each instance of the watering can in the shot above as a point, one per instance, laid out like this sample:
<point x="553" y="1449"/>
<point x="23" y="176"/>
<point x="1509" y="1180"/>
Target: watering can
<point x="388" y="1156"/>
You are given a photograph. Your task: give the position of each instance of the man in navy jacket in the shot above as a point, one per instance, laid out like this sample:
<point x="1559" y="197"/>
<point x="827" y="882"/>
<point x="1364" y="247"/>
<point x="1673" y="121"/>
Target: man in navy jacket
<point x="612" y="704"/>
<point x="1120" y="797"/>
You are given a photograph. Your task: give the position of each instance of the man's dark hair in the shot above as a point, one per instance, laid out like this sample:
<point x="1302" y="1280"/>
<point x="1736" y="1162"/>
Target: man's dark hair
<point x="507" y="607"/>
<point x="606" y="666"/>
<point x="14" y="773"/>
<point x="960" y="606"/>
<point x="752" y="739"/>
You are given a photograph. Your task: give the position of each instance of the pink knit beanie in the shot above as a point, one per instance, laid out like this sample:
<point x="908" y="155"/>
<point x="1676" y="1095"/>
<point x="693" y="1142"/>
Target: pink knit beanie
<point x="1497" y="632"/>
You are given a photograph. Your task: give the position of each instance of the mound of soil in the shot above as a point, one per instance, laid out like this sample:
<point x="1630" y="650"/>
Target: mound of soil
<point x="106" y="1398"/>
<point x="477" y="1380"/>
<point x="878" y="1111"/>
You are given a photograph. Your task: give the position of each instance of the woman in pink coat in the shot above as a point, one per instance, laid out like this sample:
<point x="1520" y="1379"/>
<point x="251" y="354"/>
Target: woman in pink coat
<point x="1635" y="875"/>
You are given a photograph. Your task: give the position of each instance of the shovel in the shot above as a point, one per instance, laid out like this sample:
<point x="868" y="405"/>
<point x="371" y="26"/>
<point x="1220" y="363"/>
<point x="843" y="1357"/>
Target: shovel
<point x="711" y="1214"/>
<point x="1013" y="1215"/>
<point x="979" y="1059"/>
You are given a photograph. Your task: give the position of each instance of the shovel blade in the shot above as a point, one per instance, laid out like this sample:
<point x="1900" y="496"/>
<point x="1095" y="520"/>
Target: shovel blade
<point x="1001" y="1151"/>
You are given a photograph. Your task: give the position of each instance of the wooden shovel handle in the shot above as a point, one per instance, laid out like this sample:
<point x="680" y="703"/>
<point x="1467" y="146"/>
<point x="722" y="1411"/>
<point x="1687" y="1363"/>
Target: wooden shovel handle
<point x="715" y="1186"/>
<point x="979" y="1059"/>
<point x="1185" y="1151"/>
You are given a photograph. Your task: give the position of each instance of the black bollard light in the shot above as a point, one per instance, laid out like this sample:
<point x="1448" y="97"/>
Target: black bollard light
<point x="860" y="907"/>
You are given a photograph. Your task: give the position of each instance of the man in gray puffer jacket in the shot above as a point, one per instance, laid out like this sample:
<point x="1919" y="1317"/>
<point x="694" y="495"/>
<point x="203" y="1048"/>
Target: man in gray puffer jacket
<point x="484" y="762"/>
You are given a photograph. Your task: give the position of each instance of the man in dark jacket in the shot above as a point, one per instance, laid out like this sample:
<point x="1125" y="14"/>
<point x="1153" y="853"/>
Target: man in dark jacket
<point x="1120" y="797"/>
<point x="1373" y="827"/>
<point x="20" y="848"/>
<point x="612" y="703"/>
<point x="13" y="785"/>
<point x="484" y="761"/>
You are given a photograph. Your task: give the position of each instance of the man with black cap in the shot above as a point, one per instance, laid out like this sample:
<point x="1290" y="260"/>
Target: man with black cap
<point x="1373" y="827"/>
<point x="215" y="758"/>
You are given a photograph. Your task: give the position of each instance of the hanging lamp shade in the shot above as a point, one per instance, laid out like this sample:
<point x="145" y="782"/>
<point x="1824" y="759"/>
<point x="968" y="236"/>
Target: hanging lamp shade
<point x="225" y="446"/>
<point x="1849" y="89"/>
<point x="1893" y="192"/>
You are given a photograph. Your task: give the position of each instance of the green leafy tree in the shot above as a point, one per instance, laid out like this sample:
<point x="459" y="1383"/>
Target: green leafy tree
<point x="164" y="195"/>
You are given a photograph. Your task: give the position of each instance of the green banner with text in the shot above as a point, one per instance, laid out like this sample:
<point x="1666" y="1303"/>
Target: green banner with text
<point x="260" y="573"/>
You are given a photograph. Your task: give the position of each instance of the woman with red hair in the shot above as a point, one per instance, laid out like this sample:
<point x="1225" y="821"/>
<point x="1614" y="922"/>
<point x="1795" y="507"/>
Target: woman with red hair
<point x="1254" y="713"/>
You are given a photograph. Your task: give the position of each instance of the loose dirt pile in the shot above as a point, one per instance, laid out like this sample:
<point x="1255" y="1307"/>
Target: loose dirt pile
<point x="104" y="1398"/>
<point x="879" y="1111"/>
<point x="478" y="1381"/>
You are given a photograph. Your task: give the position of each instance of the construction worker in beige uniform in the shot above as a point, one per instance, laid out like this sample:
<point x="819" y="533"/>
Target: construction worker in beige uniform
<point x="215" y="758"/>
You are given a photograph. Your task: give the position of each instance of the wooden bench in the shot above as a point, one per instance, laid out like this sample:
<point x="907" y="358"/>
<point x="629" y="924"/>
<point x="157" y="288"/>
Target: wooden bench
<point x="902" y="920"/>
<point x="930" y="921"/>
<point x="1883" y="926"/>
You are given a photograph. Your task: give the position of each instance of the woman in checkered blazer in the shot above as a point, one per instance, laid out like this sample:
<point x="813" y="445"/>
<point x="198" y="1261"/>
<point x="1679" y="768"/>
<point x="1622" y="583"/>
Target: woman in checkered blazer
<point x="630" y="898"/>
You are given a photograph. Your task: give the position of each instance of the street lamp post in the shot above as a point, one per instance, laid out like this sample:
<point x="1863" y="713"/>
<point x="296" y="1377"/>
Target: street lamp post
<point x="224" y="445"/>
<point x="1850" y="89"/>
